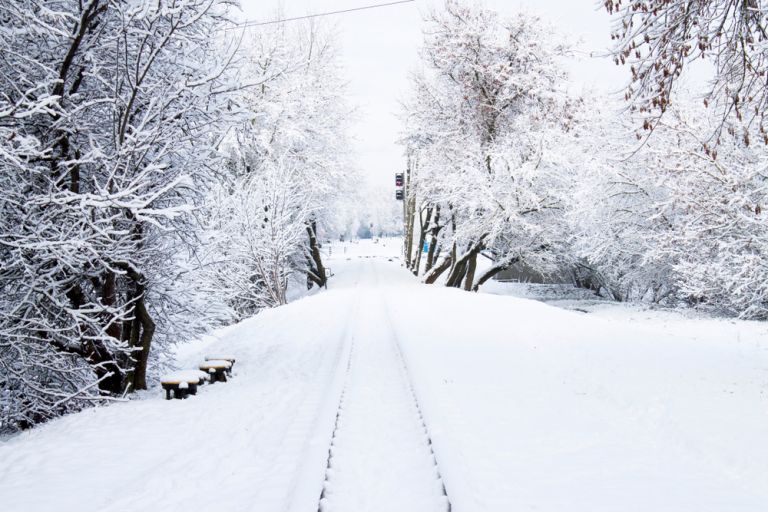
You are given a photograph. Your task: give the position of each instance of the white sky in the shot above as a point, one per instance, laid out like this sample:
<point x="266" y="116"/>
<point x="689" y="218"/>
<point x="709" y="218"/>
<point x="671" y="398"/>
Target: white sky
<point x="380" y="46"/>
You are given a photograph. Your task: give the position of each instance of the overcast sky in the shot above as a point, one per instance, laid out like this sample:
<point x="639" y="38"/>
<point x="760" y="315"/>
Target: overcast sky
<point x="379" y="47"/>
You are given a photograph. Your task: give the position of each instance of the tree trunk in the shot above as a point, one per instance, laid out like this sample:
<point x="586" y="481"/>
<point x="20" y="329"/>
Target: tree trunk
<point x="423" y="226"/>
<point x="457" y="274"/>
<point x="409" y="207"/>
<point x="109" y="297"/>
<point x="139" y="331"/>
<point x="462" y="266"/>
<point x="471" y="267"/>
<point x="488" y="274"/>
<point x="408" y="239"/>
<point x="454" y="255"/>
<point x="144" y="343"/>
<point x="437" y="271"/>
<point x="433" y="240"/>
<point x="410" y="223"/>
<point x="430" y="255"/>
<point x="316" y="273"/>
<point x="436" y="256"/>
<point x="96" y="354"/>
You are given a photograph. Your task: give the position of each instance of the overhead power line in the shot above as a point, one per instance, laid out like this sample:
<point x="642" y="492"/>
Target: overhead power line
<point x="317" y="15"/>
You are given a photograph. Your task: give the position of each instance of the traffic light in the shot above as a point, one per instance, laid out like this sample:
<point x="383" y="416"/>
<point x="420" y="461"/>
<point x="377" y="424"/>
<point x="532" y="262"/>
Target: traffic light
<point x="399" y="179"/>
<point x="399" y="195"/>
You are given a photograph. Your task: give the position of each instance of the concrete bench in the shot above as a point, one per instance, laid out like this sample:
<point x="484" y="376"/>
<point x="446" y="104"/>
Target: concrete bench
<point x="183" y="383"/>
<point x="218" y="369"/>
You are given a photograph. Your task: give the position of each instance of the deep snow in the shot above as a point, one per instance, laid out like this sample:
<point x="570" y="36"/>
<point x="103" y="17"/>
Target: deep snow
<point x="528" y="406"/>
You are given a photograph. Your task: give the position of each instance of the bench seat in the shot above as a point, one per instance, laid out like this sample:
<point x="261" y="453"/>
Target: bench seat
<point x="183" y="383"/>
<point x="218" y="369"/>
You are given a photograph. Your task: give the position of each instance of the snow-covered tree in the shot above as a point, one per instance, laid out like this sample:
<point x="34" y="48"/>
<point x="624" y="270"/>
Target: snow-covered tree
<point x="286" y="172"/>
<point x="707" y="205"/>
<point x="717" y="237"/>
<point x="110" y="118"/>
<point x="612" y="212"/>
<point x="660" y="39"/>
<point x="257" y="230"/>
<point x="485" y="110"/>
<point x="664" y="220"/>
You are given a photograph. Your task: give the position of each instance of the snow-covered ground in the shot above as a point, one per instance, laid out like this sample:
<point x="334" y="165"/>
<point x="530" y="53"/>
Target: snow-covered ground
<point x="502" y="403"/>
<point x="684" y="323"/>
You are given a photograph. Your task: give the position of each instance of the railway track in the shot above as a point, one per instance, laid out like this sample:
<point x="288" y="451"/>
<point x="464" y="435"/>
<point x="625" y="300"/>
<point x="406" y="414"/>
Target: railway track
<point x="380" y="449"/>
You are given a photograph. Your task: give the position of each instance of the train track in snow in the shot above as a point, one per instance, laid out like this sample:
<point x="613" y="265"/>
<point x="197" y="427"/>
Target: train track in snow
<point x="379" y="399"/>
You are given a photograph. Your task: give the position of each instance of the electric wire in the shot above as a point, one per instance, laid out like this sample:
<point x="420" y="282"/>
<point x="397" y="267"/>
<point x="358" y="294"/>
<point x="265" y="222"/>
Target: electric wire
<point x="254" y="23"/>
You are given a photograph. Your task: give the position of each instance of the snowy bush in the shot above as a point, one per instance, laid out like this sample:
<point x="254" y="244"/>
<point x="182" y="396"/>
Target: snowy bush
<point x="671" y="218"/>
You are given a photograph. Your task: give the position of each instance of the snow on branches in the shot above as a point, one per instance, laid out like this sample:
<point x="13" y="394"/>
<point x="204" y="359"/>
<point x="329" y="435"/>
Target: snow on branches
<point x="108" y="122"/>
<point x="157" y="178"/>
<point x="504" y="163"/>
<point x="484" y="110"/>
<point x="668" y="222"/>
<point x="660" y="39"/>
<point x="286" y="169"/>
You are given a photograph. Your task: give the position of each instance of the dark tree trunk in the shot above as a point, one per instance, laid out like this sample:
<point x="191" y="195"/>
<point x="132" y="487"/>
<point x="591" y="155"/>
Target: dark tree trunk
<point x="109" y="297"/>
<point x="437" y="271"/>
<point x="96" y="354"/>
<point x="433" y="239"/>
<point x="143" y="343"/>
<point x="430" y="255"/>
<point x="463" y="265"/>
<point x="471" y="267"/>
<point x="105" y="366"/>
<point x="316" y="273"/>
<point x="457" y="274"/>
<point x="423" y="226"/>
<point x="139" y="331"/>
<point x="408" y="214"/>
<point x="488" y="274"/>
<point x="436" y="256"/>
<point x="408" y="240"/>
<point x="454" y="255"/>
